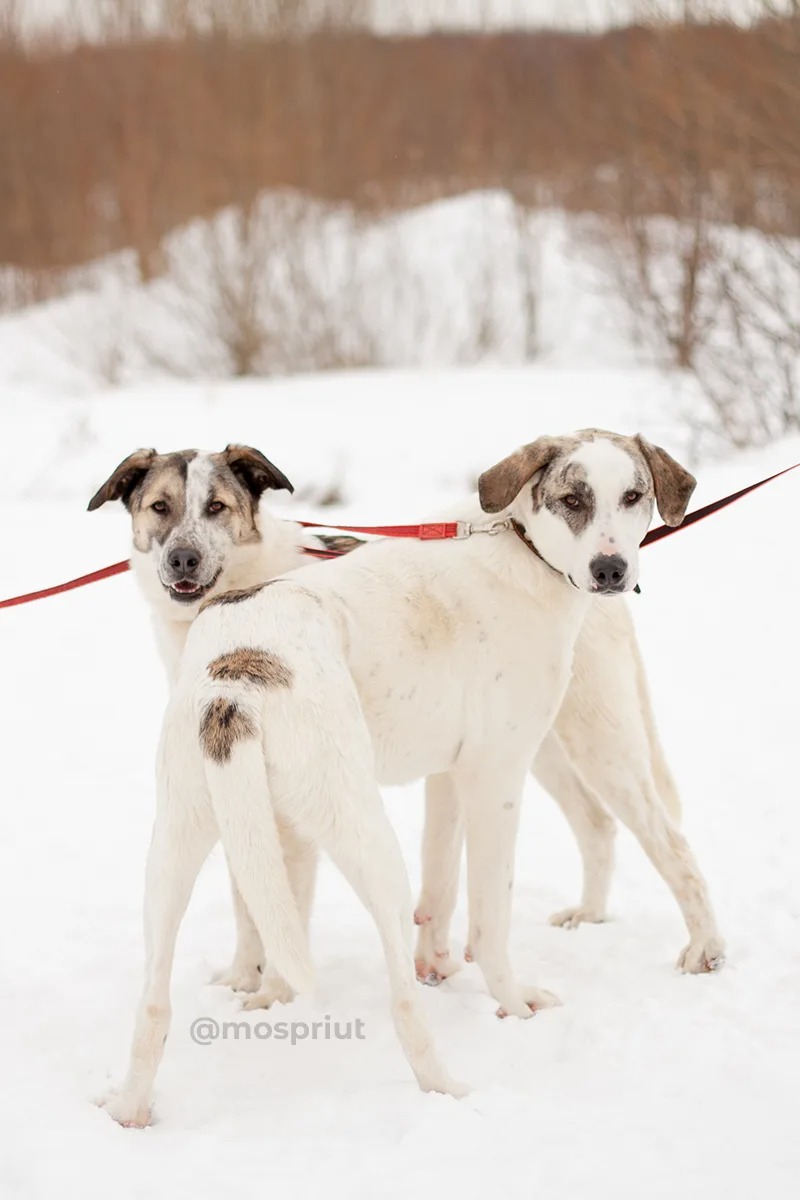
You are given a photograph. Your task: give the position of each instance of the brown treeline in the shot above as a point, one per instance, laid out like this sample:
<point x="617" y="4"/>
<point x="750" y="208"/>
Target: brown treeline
<point x="113" y="145"/>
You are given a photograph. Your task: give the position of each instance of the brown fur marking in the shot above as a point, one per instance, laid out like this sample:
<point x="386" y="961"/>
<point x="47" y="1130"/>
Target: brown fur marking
<point x="673" y="484"/>
<point x="498" y="486"/>
<point x="342" y="543"/>
<point x="234" y="596"/>
<point x="252" y="666"/>
<point x="222" y="725"/>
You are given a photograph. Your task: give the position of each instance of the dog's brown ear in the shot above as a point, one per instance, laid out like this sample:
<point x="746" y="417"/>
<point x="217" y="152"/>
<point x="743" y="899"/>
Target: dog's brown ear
<point x="498" y="486"/>
<point x="255" y="471"/>
<point x="128" y="474"/>
<point x="673" y="483"/>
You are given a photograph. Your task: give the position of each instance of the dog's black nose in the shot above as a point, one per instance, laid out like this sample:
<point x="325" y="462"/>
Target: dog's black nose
<point x="608" y="571"/>
<point x="184" y="560"/>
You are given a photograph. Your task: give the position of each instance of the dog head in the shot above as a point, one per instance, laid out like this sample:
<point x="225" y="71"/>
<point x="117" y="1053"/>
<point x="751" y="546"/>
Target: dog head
<point x="585" y="502"/>
<point x="189" y="509"/>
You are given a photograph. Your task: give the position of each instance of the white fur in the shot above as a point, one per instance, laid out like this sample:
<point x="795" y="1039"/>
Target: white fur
<point x="449" y="660"/>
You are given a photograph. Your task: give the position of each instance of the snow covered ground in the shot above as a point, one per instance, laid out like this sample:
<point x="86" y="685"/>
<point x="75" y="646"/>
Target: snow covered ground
<point x="645" y="1083"/>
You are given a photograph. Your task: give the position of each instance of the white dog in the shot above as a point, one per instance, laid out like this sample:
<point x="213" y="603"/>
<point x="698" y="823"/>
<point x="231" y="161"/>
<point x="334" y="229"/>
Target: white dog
<point x="445" y="659"/>
<point x="200" y="528"/>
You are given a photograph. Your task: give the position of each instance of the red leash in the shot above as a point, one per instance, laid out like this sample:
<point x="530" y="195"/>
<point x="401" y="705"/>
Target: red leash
<point x="435" y="532"/>
<point x="93" y="577"/>
<point x="655" y="535"/>
<point x="430" y="532"/>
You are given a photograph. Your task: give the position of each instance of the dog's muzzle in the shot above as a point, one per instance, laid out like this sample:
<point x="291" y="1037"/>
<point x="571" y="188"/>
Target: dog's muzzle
<point x="183" y="566"/>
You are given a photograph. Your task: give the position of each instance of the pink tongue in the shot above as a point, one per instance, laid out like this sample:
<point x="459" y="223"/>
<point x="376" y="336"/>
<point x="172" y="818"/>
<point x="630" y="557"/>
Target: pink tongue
<point x="185" y="586"/>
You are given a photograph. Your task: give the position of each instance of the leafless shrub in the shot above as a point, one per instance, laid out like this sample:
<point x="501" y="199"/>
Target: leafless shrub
<point x="706" y="292"/>
<point x="261" y="291"/>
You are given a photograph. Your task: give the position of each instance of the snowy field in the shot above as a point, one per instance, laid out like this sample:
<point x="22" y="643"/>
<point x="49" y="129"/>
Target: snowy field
<point x="644" y="1084"/>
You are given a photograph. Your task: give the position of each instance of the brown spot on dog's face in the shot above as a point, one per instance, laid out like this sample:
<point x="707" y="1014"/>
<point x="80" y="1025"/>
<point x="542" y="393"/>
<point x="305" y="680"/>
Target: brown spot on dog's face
<point x="158" y="502"/>
<point x="258" y="667"/>
<point x="222" y="725"/>
<point x="565" y="491"/>
<point x="234" y="596"/>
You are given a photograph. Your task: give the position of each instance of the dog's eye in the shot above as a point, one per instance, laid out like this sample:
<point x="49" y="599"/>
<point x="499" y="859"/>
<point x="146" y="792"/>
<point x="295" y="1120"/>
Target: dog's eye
<point x="571" y="501"/>
<point x="216" y="506"/>
<point x="631" y="498"/>
<point x="160" y="506"/>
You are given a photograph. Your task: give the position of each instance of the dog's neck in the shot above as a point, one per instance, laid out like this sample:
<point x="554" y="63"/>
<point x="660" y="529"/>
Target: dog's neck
<point x="514" y="563"/>
<point x="277" y="549"/>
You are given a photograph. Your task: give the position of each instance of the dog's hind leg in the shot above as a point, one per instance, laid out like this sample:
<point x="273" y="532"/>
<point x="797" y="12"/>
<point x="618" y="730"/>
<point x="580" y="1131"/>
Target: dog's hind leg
<point x="608" y="732"/>
<point x="300" y="859"/>
<point x="245" y="972"/>
<point x="251" y="970"/>
<point x="622" y="772"/>
<point x="182" y="839"/>
<point x="592" y="825"/>
<point x="366" y="850"/>
<point x="442" y="842"/>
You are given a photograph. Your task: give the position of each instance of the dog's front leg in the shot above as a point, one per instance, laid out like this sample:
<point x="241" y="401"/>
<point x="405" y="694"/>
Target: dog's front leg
<point x="442" y="841"/>
<point x="180" y="844"/>
<point x="491" y="795"/>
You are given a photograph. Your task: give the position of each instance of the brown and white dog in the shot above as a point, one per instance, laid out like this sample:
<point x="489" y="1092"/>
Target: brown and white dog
<point x="200" y="529"/>
<point x="445" y="660"/>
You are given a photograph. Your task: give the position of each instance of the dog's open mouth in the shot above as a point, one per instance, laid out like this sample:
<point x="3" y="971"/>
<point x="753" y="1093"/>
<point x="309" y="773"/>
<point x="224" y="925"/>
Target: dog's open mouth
<point x="187" y="590"/>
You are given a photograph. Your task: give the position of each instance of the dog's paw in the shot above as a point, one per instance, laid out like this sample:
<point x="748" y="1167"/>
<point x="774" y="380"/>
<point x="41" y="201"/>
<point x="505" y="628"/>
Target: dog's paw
<point x="433" y="961"/>
<point x="127" y="1112"/>
<point x="535" y="999"/>
<point x="274" y="991"/>
<point x="432" y="971"/>
<point x="571" y="918"/>
<point x="455" y="1089"/>
<point x="702" y="957"/>
<point x="442" y="1083"/>
<point x="240" y="977"/>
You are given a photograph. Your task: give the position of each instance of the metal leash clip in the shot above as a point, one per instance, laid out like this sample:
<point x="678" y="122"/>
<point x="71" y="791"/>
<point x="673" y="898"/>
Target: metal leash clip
<point x="465" y="529"/>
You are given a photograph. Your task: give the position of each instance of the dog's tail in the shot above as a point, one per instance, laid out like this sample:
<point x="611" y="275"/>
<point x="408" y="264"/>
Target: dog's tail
<point x="665" y="783"/>
<point x="232" y="738"/>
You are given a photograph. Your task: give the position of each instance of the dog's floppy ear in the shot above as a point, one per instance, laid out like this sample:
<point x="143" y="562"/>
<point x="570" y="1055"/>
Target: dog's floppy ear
<point x="255" y="471"/>
<point x="128" y="474"/>
<point x="673" y="484"/>
<point x="498" y="486"/>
